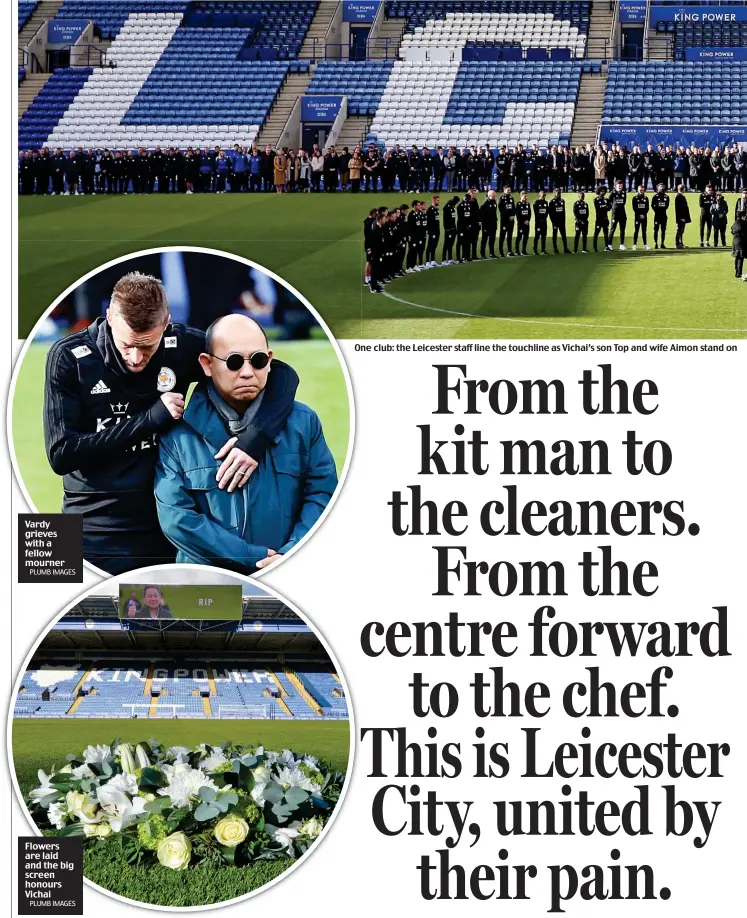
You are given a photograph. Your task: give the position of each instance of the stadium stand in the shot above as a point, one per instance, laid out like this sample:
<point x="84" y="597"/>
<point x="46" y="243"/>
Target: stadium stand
<point x="363" y="83"/>
<point x="109" y="16"/>
<point x="687" y="93"/>
<point x="495" y="102"/>
<point x="707" y="35"/>
<point x="25" y="11"/>
<point x="525" y="30"/>
<point x="113" y="688"/>
<point x="176" y="74"/>
<point x="463" y="100"/>
<point x="91" y="664"/>
<point x="44" y="113"/>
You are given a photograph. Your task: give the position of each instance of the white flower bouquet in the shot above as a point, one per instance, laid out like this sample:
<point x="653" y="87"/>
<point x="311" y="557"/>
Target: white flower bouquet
<point x="181" y="807"/>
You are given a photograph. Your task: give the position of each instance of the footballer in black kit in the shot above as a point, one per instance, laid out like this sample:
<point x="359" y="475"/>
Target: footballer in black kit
<point x="601" y="219"/>
<point x="541" y="213"/>
<point x="660" y="206"/>
<point x="618" y="200"/>
<point x="556" y="209"/>
<point x="433" y="225"/>
<point x="507" y="210"/>
<point x="706" y="225"/>
<point x="102" y="420"/>
<point x="641" y="207"/>
<point x="523" y="223"/>
<point x="581" y="215"/>
<point x="450" y="230"/>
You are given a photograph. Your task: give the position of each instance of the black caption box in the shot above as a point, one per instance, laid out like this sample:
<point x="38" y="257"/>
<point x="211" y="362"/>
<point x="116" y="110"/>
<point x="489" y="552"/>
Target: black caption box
<point x="50" y="548"/>
<point x="50" y="876"/>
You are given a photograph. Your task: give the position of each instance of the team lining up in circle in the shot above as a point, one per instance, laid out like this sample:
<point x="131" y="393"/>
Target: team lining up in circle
<point x="404" y="240"/>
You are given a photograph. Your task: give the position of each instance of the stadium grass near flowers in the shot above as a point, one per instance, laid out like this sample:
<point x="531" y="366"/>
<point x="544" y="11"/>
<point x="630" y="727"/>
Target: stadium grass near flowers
<point x="42" y="743"/>
<point x="315" y="242"/>
<point x="322" y="387"/>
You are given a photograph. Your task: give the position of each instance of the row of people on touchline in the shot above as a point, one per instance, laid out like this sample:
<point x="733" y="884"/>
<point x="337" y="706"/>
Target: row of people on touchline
<point x="208" y="171"/>
<point x="405" y="239"/>
<point x="581" y="168"/>
<point x="415" y="170"/>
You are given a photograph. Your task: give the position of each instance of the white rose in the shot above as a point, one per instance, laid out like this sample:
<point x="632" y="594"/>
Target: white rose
<point x="80" y="805"/>
<point x="262" y="774"/>
<point x="311" y="828"/>
<point x="97" y="830"/>
<point x="175" y="851"/>
<point x="231" y="831"/>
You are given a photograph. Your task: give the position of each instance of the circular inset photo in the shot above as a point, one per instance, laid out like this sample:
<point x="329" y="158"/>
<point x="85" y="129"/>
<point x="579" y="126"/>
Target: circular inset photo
<point x="190" y="406"/>
<point x="189" y="727"/>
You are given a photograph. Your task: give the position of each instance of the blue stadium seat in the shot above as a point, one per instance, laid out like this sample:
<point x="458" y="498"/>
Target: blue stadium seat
<point x="25" y="9"/>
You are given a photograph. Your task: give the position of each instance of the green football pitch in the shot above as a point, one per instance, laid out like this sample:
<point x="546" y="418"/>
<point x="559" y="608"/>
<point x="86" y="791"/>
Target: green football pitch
<point x="44" y="743"/>
<point x="315" y="243"/>
<point x="322" y="387"/>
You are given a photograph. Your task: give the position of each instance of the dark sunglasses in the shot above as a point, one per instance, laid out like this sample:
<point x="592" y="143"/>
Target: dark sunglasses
<point x="234" y="362"/>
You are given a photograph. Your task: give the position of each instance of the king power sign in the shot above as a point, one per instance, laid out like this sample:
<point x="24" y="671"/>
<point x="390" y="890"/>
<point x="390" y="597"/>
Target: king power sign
<point x="698" y="13"/>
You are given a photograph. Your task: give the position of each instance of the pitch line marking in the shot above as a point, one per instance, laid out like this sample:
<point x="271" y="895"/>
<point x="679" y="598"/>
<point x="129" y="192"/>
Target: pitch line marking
<point x="471" y="315"/>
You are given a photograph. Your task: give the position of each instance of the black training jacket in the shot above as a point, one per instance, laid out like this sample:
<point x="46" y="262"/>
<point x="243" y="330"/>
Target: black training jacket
<point x="101" y="427"/>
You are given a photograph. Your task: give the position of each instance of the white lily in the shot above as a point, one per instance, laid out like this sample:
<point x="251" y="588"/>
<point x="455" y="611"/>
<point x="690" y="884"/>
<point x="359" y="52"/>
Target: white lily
<point x="119" y="809"/>
<point x="126" y="783"/>
<point x="286" y="835"/>
<point x="44" y="786"/>
<point x="141" y="757"/>
<point x="126" y="759"/>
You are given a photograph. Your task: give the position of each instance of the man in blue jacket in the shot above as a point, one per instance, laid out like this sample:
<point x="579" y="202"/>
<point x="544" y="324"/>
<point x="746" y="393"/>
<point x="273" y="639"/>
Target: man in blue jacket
<point x="288" y="492"/>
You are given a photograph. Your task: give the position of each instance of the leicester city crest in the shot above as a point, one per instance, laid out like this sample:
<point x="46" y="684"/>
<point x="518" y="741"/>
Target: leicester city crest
<point x="166" y="379"/>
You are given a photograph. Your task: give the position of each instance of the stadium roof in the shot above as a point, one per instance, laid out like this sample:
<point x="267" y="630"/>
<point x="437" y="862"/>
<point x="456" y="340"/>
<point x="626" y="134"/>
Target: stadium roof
<point x="267" y="627"/>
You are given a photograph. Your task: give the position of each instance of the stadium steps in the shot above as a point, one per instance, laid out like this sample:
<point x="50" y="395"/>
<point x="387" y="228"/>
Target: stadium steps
<point x="304" y="692"/>
<point x="79" y="698"/>
<point x="30" y="89"/>
<point x="295" y="85"/>
<point x="75" y="705"/>
<point x="153" y="706"/>
<point x="206" y="706"/>
<point x="211" y="682"/>
<point x="354" y="131"/>
<point x="600" y="28"/>
<point x="336" y="677"/>
<point x="46" y="9"/>
<point x="658" y="47"/>
<point x="392" y="29"/>
<point x="277" y="682"/>
<point x="284" y="707"/>
<point x="318" y="29"/>
<point x="149" y="680"/>
<point x="588" y="114"/>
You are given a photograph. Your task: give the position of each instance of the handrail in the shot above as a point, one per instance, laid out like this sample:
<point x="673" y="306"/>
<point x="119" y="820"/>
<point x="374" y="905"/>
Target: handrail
<point x="31" y="62"/>
<point x="614" y="29"/>
<point x="345" y="49"/>
<point x="324" y="50"/>
<point x="646" y="30"/>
